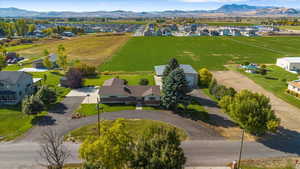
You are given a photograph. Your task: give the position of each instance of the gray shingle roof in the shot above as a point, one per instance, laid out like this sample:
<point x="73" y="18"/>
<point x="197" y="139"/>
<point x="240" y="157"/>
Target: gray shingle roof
<point x="159" y="70"/>
<point x="124" y="90"/>
<point x="12" y="77"/>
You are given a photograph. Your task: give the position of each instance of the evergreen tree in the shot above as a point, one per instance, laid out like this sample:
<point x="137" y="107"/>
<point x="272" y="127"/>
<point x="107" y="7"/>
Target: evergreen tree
<point x="173" y="64"/>
<point x="2" y="57"/>
<point x="174" y="89"/>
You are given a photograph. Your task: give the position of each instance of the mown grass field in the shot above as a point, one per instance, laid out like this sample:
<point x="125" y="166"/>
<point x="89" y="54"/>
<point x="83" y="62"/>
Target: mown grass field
<point x="133" y="79"/>
<point x="135" y="128"/>
<point x="143" y="53"/>
<point x="290" y="27"/>
<point x="92" y="49"/>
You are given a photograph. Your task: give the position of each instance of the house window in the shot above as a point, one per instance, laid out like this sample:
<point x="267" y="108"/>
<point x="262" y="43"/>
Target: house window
<point x="112" y="96"/>
<point x="152" y="98"/>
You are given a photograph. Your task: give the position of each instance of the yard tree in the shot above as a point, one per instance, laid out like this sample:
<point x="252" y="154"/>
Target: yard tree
<point x="74" y="78"/>
<point x="158" y="148"/>
<point x="144" y="82"/>
<point x="62" y="57"/>
<point x="174" y="89"/>
<point x="2" y="57"/>
<point x="31" y="28"/>
<point x="213" y="87"/>
<point x="252" y="111"/>
<point x="47" y="95"/>
<point x="173" y="64"/>
<point x="205" y="77"/>
<point x="52" y="149"/>
<point x="21" y="27"/>
<point x="46" y="62"/>
<point x="111" y="150"/>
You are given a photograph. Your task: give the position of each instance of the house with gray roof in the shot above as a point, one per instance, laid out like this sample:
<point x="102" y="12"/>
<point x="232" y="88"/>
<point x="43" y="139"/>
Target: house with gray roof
<point x="14" y="86"/>
<point x="115" y="91"/>
<point x="190" y="74"/>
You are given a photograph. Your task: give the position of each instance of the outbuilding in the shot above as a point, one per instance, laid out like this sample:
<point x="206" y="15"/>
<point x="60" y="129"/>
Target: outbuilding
<point x="190" y="74"/>
<point x="291" y="64"/>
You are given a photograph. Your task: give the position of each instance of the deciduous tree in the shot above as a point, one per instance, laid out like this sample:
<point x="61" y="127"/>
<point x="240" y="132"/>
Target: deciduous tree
<point x="111" y="150"/>
<point x="252" y="111"/>
<point x="74" y="78"/>
<point x="205" y="77"/>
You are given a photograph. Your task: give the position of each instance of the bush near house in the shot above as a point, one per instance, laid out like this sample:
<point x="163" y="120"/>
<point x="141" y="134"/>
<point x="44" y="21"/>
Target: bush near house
<point x="74" y="78"/>
<point x="219" y="91"/>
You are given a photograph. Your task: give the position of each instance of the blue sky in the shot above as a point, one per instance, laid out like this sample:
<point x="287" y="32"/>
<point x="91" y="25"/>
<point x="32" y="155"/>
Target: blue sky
<point x="136" y="5"/>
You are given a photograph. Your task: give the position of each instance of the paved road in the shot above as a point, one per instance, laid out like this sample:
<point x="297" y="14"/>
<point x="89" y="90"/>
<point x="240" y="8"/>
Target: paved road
<point x="199" y="153"/>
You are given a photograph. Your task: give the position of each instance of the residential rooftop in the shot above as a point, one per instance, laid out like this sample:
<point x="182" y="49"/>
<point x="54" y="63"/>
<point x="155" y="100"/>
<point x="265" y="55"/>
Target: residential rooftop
<point x="159" y="70"/>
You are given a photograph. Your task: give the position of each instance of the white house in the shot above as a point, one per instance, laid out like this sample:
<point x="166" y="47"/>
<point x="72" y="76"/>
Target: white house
<point x="291" y="64"/>
<point x="190" y="74"/>
<point x="294" y="86"/>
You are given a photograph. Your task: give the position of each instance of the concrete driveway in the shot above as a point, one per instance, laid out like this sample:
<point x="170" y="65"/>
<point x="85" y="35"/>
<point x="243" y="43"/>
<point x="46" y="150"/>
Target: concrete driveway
<point x="90" y="94"/>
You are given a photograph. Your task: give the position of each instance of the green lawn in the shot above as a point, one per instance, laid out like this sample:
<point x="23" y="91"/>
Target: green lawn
<point x="290" y="27"/>
<point x="143" y="53"/>
<point x="132" y="79"/>
<point x="276" y="82"/>
<point x="19" y="47"/>
<point x="91" y="109"/>
<point x="13" y="122"/>
<point x="135" y="128"/>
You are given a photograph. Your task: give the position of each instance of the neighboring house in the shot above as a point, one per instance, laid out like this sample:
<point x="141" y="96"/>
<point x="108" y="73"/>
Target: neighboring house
<point x="190" y="74"/>
<point x="114" y="91"/>
<point x="294" y="86"/>
<point x="68" y="34"/>
<point x="40" y="65"/>
<point x="291" y="64"/>
<point x="14" y="86"/>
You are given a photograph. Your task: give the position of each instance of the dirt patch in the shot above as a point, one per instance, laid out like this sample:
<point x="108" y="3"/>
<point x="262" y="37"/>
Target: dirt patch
<point x="90" y="49"/>
<point x="272" y="162"/>
<point x="191" y="55"/>
<point x="289" y="115"/>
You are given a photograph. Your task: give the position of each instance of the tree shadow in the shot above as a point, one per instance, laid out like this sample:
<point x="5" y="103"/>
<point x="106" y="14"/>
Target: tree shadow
<point x="285" y="140"/>
<point x="57" y="73"/>
<point x="43" y="121"/>
<point x="205" y="102"/>
<point x="59" y="108"/>
<point x="220" y="121"/>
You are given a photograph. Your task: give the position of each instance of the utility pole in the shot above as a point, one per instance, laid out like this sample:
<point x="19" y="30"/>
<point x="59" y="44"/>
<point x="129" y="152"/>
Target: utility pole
<point x="241" y="149"/>
<point x="98" y="111"/>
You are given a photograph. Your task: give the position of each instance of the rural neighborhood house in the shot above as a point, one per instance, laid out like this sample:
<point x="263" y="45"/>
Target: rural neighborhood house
<point x="14" y="86"/>
<point x="115" y="91"/>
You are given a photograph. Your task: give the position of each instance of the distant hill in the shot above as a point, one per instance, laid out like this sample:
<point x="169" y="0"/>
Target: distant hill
<point x="239" y="8"/>
<point x="225" y="10"/>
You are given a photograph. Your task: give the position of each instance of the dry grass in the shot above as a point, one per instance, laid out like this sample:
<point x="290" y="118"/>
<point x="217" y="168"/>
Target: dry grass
<point x="90" y="49"/>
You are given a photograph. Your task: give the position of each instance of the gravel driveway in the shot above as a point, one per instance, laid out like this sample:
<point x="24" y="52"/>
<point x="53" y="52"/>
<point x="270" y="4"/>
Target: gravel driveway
<point x="289" y="114"/>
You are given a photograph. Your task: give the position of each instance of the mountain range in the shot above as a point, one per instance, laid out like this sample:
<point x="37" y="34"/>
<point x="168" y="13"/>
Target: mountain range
<point x="225" y="10"/>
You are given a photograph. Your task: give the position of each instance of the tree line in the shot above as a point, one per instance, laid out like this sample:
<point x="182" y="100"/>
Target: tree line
<point x="22" y="27"/>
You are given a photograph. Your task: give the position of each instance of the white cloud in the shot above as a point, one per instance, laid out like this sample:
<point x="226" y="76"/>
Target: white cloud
<point x="214" y="1"/>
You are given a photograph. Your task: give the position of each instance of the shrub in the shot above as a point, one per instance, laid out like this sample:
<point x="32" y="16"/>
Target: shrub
<point x="205" y="77"/>
<point x="144" y="82"/>
<point x="87" y="70"/>
<point x="74" y="78"/>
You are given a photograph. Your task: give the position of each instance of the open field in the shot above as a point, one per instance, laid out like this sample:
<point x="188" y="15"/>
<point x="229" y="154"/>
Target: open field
<point x="133" y="79"/>
<point x="229" y="24"/>
<point x="92" y="49"/>
<point x="135" y="128"/>
<point x="290" y="27"/>
<point x="142" y="53"/>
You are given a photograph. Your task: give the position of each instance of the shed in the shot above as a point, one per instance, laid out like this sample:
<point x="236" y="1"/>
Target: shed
<point x="191" y="74"/>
